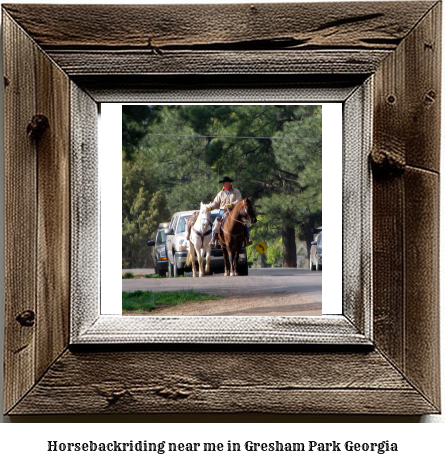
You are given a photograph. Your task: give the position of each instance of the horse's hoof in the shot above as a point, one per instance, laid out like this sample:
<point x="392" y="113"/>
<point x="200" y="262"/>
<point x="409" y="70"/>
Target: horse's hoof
<point x="232" y="274"/>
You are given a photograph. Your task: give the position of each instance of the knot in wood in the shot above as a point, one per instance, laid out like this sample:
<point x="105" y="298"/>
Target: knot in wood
<point x="172" y="393"/>
<point x="26" y="318"/>
<point x="386" y="162"/>
<point x="430" y="97"/>
<point x="37" y="126"/>
<point x="114" y="397"/>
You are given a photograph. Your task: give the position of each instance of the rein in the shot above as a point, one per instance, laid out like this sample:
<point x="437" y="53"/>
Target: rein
<point x="246" y="213"/>
<point x="230" y="234"/>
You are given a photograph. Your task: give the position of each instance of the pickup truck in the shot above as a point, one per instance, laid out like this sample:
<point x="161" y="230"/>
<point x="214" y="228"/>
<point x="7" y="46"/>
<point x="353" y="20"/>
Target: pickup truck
<point x="177" y="251"/>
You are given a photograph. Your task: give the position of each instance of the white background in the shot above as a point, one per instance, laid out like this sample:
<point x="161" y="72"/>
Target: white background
<point x="20" y="442"/>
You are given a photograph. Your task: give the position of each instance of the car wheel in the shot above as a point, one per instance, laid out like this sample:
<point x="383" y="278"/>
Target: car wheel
<point x="177" y="271"/>
<point x="156" y="270"/>
<point x="163" y="273"/>
<point x="243" y="270"/>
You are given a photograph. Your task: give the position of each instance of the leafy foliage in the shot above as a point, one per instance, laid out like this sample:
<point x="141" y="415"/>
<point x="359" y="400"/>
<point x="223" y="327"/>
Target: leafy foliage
<point x="273" y="153"/>
<point x="143" y="208"/>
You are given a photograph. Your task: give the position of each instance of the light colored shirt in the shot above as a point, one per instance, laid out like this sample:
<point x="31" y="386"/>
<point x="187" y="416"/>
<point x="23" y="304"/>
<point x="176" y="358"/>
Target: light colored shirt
<point x="224" y="197"/>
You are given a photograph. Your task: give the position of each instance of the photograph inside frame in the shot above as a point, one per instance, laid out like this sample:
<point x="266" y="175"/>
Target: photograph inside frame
<point x="222" y="210"/>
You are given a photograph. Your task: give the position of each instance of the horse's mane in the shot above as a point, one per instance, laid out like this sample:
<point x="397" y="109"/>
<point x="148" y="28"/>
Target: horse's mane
<point x="236" y="210"/>
<point x="239" y="205"/>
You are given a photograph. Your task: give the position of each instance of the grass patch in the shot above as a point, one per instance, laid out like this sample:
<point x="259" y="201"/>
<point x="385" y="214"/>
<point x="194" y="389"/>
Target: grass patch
<point x="128" y="276"/>
<point x="148" y="301"/>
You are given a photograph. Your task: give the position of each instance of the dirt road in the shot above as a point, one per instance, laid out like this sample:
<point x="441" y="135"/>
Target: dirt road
<point x="265" y="292"/>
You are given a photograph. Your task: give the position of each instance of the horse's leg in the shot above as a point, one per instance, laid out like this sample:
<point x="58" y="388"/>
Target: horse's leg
<point x="208" y="258"/>
<point x="234" y="263"/>
<point x="226" y="262"/>
<point x="235" y="260"/>
<point x="192" y="254"/>
<point x="231" y="255"/>
<point x="199" y="254"/>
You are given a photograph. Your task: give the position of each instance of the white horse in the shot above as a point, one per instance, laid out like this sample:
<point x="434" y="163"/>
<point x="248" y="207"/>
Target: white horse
<point x="200" y="236"/>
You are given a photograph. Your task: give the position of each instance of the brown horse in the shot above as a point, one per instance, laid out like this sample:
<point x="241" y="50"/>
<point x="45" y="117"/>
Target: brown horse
<point x="232" y="234"/>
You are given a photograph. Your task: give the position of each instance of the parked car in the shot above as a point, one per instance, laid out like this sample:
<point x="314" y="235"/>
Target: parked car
<point x="315" y="254"/>
<point x="159" y="252"/>
<point x="177" y="250"/>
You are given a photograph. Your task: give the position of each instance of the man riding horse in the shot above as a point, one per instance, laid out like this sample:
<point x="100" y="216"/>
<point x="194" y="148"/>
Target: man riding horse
<point x="225" y="200"/>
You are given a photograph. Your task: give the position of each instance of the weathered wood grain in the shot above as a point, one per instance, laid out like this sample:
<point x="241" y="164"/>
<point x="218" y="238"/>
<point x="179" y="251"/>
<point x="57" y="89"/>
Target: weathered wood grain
<point x="388" y="268"/>
<point x="389" y="160"/>
<point x="421" y="211"/>
<point x="199" y="88"/>
<point x="388" y="156"/>
<point x="422" y="324"/>
<point x="84" y="234"/>
<point x="406" y="222"/>
<point x="398" y="42"/>
<point x="357" y="209"/>
<point x="20" y="214"/>
<point x="181" y="330"/>
<point x="37" y="217"/>
<point x="223" y="382"/>
<point x="275" y="25"/>
<point x="53" y="225"/>
<point x="215" y="62"/>
<point x="423" y="92"/>
<point x="407" y="113"/>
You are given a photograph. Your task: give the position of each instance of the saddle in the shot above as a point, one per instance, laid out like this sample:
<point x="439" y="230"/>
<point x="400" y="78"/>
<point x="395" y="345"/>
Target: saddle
<point x="224" y="217"/>
<point x="189" y="222"/>
<point x="219" y="222"/>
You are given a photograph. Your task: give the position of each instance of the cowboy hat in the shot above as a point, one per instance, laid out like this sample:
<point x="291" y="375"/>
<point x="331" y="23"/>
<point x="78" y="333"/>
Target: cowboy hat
<point x="226" y="179"/>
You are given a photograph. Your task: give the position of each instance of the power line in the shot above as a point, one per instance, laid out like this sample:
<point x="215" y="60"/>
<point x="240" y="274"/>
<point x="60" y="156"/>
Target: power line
<point x="235" y="137"/>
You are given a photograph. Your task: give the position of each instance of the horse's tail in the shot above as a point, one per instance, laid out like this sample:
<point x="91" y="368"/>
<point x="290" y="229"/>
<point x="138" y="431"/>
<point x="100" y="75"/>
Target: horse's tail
<point x="189" y="258"/>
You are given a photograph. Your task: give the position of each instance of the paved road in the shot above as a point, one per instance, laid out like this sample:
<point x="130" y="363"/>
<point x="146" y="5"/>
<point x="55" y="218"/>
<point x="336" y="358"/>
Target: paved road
<point x="259" y="280"/>
<point x="266" y="291"/>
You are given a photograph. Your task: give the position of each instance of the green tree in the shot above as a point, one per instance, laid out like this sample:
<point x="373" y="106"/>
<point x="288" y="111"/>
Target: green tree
<point x="135" y="119"/>
<point x="175" y="154"/>
<point x="297" y="194"/>
<point x="273" y="152"/>
<point x="143" y="208"/>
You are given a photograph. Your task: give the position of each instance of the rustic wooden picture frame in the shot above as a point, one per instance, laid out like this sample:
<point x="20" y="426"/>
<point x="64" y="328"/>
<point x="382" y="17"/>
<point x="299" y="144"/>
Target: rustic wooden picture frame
<point x="57" y="70"/>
